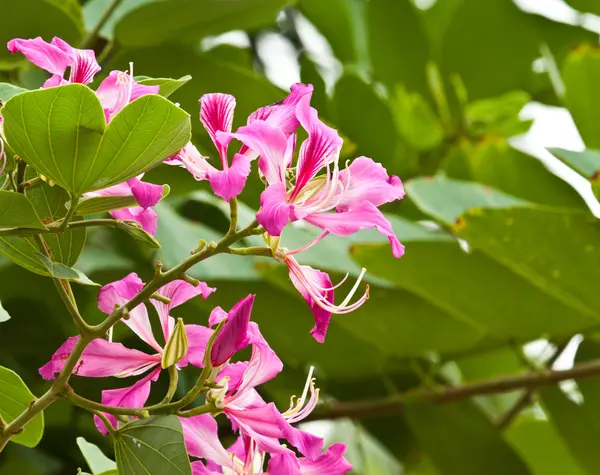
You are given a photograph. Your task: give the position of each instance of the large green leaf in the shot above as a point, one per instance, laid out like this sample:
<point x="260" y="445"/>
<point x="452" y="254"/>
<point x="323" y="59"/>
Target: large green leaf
<point x="157" y="22"/>
<point x="15" y="398"/>
<point x="555" y="250"/>
<point x="590" y="6"/>
<point x="9" y="90"/>
<point x="61" y="271"/>
<point x="102" y="204"/>
<point x="62" y="132"/>
<point x="17" y="212"/>
<point x="541" y="447"/>
<point x="394" y="25"/>
<point x="31" y="18"/>
<point x="96" y="460"/>
<point x="446" y="199"/>
<point x="152" y="447"/>
<point x="500" y="60"/>
<point x="460" y="440"/>
<point x="586" y="162"/>
<point x="167" y="86"/>
<point x="581" y="73"/>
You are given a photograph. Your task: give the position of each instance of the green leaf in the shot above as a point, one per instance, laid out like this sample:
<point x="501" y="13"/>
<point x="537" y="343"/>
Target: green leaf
<point x="61" y="132"/>
<point x="167" y="86"/>
<point x="17" y="212"/>
<point x="152" y="447"/>
<point x="446" y="199"/>
<point x="498" y="115"/>
<point x="15" y="398"/>
<point x="4" y="316"/>
<point x="394" y="25"/>
<point x="416" y="121"/>
<point x="578" y="426"/>
<point x="590" y="6"/>
<point x="135" y="230"/>
<point x="581" y="72"/>
<point x="541" y="447"/>
<point x="103" y="204"/>
<point x="460" y="440"/>
<point x="183" y="21"/>
<point x="96" y="460"/>
<point x="527" y="240"/>
<point x="495" y="163"/>
<point x="31" y="18"/>
<point x="587" y="163"/>
<point x="9" y="90"/>
<point x="61" y="271"/>
<point x="342" y="23"/>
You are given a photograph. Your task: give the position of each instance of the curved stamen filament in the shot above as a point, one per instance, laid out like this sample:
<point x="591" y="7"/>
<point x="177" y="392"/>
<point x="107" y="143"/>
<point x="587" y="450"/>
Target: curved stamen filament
<point x="309" y="245"/>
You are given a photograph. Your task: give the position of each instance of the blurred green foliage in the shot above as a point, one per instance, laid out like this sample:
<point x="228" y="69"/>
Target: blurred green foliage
<point x="499" y="251"/>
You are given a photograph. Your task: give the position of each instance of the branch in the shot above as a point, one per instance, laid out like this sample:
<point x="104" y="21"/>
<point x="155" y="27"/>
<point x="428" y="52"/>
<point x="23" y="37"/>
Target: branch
<point x="91" y="36"/>
<point x="395" y="404"/>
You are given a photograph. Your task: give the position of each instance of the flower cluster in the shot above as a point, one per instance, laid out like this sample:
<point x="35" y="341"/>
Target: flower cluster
<point x="308" y="186"/>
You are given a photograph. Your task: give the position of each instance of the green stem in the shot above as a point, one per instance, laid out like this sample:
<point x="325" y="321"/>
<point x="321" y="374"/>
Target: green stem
<point x="205" y="409"/>
<point x="70" y="212"/>
<point x="233" y="215"/>
<point x="251" y="251"/>
<point x="91" y="36"/>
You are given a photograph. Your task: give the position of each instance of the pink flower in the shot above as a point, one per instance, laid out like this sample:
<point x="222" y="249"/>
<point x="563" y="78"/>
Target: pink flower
<point x="234" y="334"/>
<point x="55" y="57"/>
<point x="146" y="194"/>
<point x="103" y="358"/>
<point x="339" y="202"/>
<point x="330" y="462"/>
<point x="216" y="115"/>
<point x="119" y="89"/>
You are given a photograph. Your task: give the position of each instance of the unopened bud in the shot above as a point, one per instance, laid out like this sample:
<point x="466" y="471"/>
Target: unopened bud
<point x="177" y="347"/>
<point x="216" y="396"/>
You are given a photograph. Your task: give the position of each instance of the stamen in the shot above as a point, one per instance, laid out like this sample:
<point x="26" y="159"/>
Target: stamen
<point x="355" y="288"/>
<point x="309" y="245"/>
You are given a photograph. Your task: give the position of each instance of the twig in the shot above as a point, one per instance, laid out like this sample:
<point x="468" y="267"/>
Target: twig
<point x="395" y="404"/>
<point x="91" y="36"/>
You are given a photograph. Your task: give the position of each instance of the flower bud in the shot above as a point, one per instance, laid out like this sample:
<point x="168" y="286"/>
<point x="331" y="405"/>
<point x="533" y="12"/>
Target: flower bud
<point x="216" y="396"/>
<point x="177" y="347"/>
<point x="234" y="334"/>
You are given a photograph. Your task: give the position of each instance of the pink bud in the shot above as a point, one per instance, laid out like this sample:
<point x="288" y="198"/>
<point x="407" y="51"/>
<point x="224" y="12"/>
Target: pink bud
<point x="234" y="334"/>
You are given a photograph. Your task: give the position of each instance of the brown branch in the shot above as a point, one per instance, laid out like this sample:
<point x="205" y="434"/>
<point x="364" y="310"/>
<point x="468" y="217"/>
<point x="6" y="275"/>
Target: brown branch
<point x="395" y="404"/>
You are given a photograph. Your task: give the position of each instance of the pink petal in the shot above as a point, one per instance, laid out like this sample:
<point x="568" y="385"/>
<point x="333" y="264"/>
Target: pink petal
<point x="331" y="462"/>
<point x="229" y="183"/>
<point x="146" y="194"/>
<point x="270" y="143"/>
<point x="133" y="397"/>
<point x="320" y="280"/>
<point x="140" y="90"/>
<point x="196" y="164"/>
<point x="235" y="373"/>
<point x="275" y="210"/>
<point x="362" y="216"/>
<point x="54" y="80"/>
<point x="114" y="93"/>
<point x="100" y="359"/>
<point x="285" y="464"/>
<point x="322" y="146"/>
<point x="216" y="115"/>
<point x="216" y="316"/>
<point x="44" y="55"/>
<point x="198" y="337"/>
<point x="283" y="114"/>
<point x="202" y="439"/>
<point x="198" y="468"/>
<point x="120" y="292"/>
<point x="179" y="292"/>
<point x="233" y="335"/>
<point x="146" y="217"/>
<point x="263" y="366"/>
<point x="367" y="180"/>
<point x="83" y="62"/>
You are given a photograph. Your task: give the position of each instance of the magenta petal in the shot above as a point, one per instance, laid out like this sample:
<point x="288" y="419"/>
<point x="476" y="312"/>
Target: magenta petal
<point x="198" y="468"/>
<point x="179" y="292"/>
<point x="284" y="463"/>
<point x="133" y="396"/>
<point x="100" y="359"/>
<point x="54" y="80"/>
<point x="235" y="373"/>
<point x="198" y="337"/>
<point x="321" y="282"/>
<point x="147" y="218"/>
<point x="83" y="62"/>
<point x="193" y="161"/>
<point x="216" y="115"/>
<point x="331" y="462"/>
<point x="275" y="211"/>
<point x="361" y="216"/>
<point x="120" y="292"/>
<point x="216" y="316"/>
<point x="229" y="183"/>
<point x="233" y="335"/>
<point x="202" y="439"/>
<point x="270" y="144"/>
<point x="320" y="148"/>
<point x="367" y="180"/>
<point x="146" y="194"/>
<point x="44" y="55"/>
<point x="139" y="90"/>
